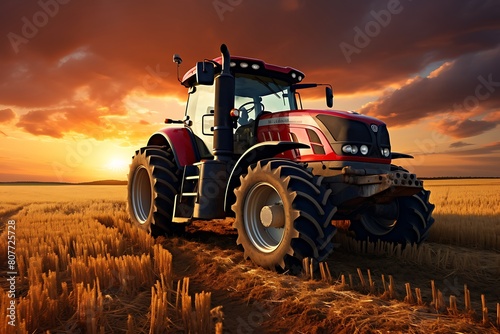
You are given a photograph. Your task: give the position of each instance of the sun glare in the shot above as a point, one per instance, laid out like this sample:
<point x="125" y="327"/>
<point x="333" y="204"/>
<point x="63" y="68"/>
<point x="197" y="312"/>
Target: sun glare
<point x="117" y="165"/>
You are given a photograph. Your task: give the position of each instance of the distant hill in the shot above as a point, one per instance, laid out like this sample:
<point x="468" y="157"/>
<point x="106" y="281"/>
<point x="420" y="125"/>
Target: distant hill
<point x="104" y="183"/>
<point x="33" y="183"/>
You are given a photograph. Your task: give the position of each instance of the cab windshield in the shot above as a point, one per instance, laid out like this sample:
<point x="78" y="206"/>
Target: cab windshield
<point x="255" y="94"/>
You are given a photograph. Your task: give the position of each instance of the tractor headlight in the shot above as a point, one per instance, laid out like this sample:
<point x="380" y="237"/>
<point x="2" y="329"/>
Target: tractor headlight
<point x="347" y="149"/>
<point x="385" y="152"/>
<point x="363" y="149"/>
<point x="352" y="149"/>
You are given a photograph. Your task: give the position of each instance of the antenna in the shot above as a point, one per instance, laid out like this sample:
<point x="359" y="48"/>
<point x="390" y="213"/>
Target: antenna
<point x="178" y="60"/>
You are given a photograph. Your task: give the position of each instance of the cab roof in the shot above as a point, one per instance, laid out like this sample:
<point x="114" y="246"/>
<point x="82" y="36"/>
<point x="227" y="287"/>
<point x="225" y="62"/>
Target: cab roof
<point x="250" y="66"/>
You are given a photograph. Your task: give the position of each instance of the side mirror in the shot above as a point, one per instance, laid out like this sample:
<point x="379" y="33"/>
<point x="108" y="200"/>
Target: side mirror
<point x="205" y="73"/>
<point x="329" y="96"/>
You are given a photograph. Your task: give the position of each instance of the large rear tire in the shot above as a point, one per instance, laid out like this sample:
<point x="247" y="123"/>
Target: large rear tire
<point x="153" y="182"/>
<point x="283" y="215"/>
<point x="411" y="226"/>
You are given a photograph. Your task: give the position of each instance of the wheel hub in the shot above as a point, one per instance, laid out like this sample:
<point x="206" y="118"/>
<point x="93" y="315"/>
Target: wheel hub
<point x="264" y="217"/>
<point x="382" y="219"/>
<point x="272" y="216"/>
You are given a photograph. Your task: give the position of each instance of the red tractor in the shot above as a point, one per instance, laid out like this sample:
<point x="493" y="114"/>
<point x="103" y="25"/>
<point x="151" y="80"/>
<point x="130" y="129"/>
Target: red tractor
<point x="247" y="149"/>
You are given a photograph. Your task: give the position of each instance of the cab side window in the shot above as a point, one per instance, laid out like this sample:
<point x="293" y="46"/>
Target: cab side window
<point x="200" y="108"/>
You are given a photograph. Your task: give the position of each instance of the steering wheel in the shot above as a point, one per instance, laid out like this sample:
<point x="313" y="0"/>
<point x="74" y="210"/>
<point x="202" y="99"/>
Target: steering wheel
<point x="252" y="108"/>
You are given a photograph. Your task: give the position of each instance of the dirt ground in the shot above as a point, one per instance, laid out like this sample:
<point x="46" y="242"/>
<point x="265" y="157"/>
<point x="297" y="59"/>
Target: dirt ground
<point x="257" y="300"/>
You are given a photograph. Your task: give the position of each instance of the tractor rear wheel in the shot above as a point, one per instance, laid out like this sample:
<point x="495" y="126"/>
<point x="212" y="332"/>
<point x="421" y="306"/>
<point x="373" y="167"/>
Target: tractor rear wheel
<point x="283" y="215"/>
<point x="152" y="185"/>
<point x="410" y="226"/>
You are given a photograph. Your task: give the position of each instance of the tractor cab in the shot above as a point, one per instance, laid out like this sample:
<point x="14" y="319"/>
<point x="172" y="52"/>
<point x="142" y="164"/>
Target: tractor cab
<point x="260" y="89"/>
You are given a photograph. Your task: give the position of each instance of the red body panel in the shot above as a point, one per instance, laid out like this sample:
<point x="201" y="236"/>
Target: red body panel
<point x="180" y="140"/>
<point x="293" y="126"/>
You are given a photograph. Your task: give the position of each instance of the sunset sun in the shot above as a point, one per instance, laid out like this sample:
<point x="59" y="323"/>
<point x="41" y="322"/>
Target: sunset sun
<point x="117" y="165"/>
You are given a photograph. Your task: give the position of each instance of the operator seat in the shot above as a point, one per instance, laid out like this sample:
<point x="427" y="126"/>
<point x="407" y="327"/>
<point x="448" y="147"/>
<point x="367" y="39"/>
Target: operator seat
<point x="246" y="135"/>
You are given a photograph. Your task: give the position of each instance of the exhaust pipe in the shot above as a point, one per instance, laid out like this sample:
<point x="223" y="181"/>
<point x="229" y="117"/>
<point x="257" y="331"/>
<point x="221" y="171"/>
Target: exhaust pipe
<point x="224" y="103"/>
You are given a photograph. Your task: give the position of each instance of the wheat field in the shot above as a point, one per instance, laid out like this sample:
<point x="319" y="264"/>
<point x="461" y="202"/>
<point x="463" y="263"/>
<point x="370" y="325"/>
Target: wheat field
<point x="83" y="268"/>
<point x="467" y="212"/>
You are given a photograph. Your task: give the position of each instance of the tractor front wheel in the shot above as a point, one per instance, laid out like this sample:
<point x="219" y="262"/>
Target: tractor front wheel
<point x="283" y="215"/>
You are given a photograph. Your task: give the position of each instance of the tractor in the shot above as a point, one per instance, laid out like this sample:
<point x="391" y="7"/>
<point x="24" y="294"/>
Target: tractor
<point x="247" y="149"/>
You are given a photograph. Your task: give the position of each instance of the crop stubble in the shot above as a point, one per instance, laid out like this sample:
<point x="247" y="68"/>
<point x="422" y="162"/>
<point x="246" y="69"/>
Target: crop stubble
<point x="83" y="267"/>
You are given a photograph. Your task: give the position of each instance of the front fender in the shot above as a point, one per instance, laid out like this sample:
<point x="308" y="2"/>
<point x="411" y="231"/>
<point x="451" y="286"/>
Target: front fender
<point x="395" y="155"/>
<point x="257" y="152"/>
<point x="181" y="141"/>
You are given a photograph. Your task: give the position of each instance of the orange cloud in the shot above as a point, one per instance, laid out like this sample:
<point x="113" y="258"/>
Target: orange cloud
<point x="464" y="128"/>
<point x="459" y="144"/>
<point x="7" y="115"/>
<point x="490" y="148"/>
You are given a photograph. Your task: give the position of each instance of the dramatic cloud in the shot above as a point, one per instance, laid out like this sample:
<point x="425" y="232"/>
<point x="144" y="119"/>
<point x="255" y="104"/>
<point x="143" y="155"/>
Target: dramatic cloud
<point x="7" y="115"/>
<point x="492" y="148"/>
<point x="468" y="86"/>
<point x="493" y="116"/>
<point x="464" y="128"/>
<point x="459" y="144"/>
<point x="131" y="43"/>
<point x="99" y="123"/>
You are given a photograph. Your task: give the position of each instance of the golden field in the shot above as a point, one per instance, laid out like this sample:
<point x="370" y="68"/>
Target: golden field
<point x="467" y="212"/>
<point x="83" y="268"/>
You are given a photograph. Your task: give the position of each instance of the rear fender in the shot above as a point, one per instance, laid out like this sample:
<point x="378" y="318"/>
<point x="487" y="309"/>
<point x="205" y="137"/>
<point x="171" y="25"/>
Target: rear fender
<point x="257" y="152"/>
<point x="182" y="143"/>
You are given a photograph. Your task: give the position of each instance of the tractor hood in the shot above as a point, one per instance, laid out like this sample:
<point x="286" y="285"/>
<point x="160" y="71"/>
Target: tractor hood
<point x="344" y="135"/>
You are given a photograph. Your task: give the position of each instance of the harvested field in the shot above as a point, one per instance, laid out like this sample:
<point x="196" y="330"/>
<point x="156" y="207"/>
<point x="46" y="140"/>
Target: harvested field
<point x="83" y="268"/>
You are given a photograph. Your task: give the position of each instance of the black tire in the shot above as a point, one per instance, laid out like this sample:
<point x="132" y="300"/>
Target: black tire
<point x="411" y="226"/>
<point x="300" y="226"/>
<point x="153" y="182"/>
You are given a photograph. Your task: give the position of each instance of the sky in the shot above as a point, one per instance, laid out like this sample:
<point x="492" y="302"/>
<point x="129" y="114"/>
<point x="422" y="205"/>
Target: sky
<point x="85" y="83"/>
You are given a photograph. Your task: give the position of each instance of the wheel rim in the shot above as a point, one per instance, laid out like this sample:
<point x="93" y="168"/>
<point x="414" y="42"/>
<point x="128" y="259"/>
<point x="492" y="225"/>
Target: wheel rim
<point x="141" y="194"/>
<point x="265" y="239"/>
